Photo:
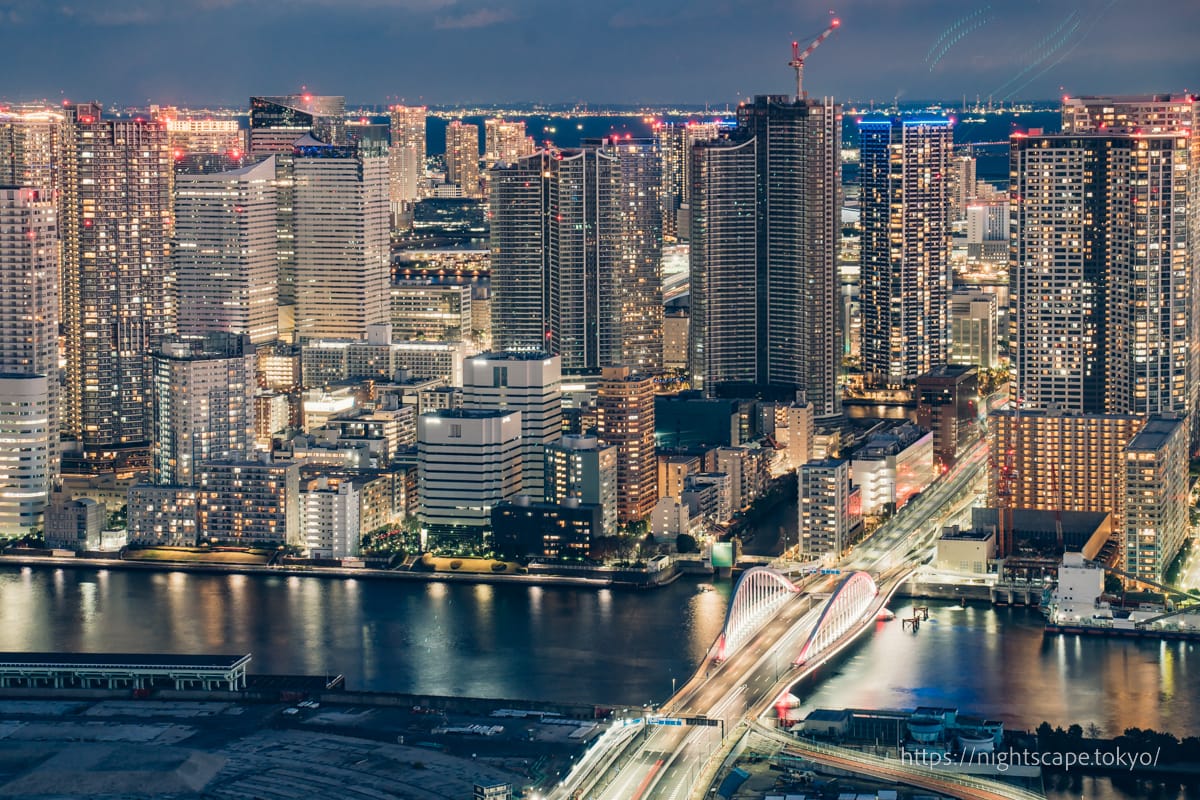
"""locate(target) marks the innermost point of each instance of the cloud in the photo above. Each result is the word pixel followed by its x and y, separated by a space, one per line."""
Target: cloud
pixel 480 18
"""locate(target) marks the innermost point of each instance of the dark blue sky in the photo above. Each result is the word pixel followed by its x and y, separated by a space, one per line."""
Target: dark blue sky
pixel 618 51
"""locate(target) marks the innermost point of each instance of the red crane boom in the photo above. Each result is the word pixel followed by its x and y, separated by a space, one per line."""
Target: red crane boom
pixel 798 57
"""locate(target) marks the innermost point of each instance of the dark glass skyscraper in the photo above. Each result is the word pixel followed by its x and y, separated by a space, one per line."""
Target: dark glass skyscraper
pixel 766 214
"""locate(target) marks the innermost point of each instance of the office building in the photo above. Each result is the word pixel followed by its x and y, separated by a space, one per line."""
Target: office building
pixel 530 383
pixel 342 240
pixel 406 160
pixel 582 467
pixel 557 531
pixel 203 404
pixel 576 249
pixel 1156 497
pixel 277 122
pixel 987 231
pixel 905 249
pixel 625 419
pixel 252 503
pixel 115 221
pixel 431 311
pixel 467 463
pixel 28 443
pixel 505 142
pixel 1102 275
pixel 974 330
pixel 224 255
pixel 328 361
pixel 824 509
pixel 890 467
pixel 29 375
pixel 462 158
pixel 948 405
pixel 675 142
pixel 764 238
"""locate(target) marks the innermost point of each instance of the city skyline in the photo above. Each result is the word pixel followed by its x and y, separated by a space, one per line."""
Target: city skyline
pixel 516 52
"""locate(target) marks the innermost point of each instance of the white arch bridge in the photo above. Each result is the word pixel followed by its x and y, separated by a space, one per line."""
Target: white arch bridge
pixel 760 592
pixel 846 608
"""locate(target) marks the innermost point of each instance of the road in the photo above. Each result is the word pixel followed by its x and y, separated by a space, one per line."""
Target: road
pixel 667 760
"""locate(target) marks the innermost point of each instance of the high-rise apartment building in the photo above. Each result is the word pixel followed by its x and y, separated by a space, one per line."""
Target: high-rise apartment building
pixel 963 185
pixel 277 122
pixel 576 255
pixel 905 250
pixel 467 462
pixel 342 240
pixel 254 503
pixel 224 254
pixel 582 467
pixel 625 418
pixel 1101 277
pixel 1155 114
pixel 421 309
pixel 117 304
pixel 406 158
pixel 528 382
pixel 505 141
pixel 764 238
pixel 203 404
pixel 31 150
pixel 675 141
pixel 462 157
pixel 1156 497
pixel 824 508
pixel 29 428
pixel 190 135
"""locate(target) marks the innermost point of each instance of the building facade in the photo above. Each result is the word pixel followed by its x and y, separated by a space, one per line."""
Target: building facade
pixel 462 158
pixel 116 300
pixel 203 404
pixel 467 463
pixel 1156 497
pixel 29 374
pixel 581 467
pixel 625 419
pixel 530 383
pixel 765 234
pixel 224 255
pixel 905 249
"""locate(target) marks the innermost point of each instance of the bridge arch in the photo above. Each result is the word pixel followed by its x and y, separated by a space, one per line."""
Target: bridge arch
pixel 844 609
pixel 757 595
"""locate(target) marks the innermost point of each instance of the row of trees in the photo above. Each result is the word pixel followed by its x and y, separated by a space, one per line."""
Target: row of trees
pixel 1168 748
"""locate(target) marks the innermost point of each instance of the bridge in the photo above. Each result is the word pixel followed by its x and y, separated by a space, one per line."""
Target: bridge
pixel 777 631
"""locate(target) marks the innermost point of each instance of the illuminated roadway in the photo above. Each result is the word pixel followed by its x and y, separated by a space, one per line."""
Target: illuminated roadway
pixel 666 761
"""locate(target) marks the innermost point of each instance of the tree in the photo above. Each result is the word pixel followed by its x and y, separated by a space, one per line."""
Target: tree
pixel 686 543
pixel 1075 731
pixel 1044 730
pixel 1094 731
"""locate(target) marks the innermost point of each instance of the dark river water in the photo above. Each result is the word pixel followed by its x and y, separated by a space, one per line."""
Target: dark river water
pixel 607 646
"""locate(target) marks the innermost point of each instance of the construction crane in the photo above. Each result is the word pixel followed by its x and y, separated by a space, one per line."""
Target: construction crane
pixel 798 57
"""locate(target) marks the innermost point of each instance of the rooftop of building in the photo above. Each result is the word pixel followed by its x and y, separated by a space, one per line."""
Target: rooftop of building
pixel 948 372
pixel 467 413
pixel 512 355
pixel 1155 433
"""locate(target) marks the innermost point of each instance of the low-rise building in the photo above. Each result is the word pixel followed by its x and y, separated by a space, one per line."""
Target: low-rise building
pixel 163 515
pixel 250 503
pixel 891 467
pixel 525 529
pixel 73 524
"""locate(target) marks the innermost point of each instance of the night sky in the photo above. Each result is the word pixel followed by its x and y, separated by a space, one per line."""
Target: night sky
pixel 620 51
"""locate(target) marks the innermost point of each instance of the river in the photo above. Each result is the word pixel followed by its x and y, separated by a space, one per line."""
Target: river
pixel 607 646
